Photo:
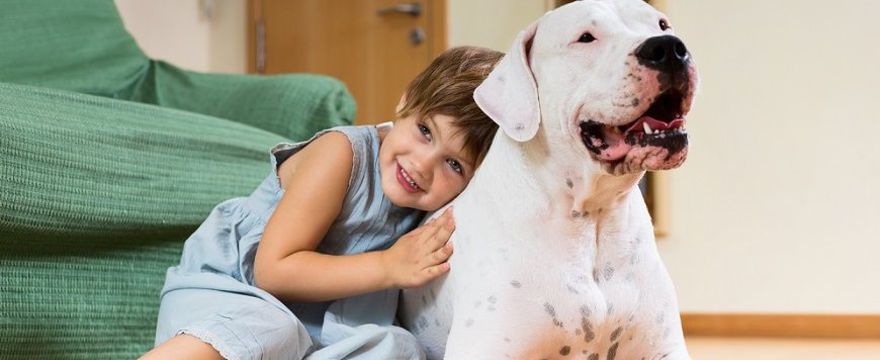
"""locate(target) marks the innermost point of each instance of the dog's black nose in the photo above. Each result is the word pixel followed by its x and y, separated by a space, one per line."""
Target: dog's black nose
pixel 664 53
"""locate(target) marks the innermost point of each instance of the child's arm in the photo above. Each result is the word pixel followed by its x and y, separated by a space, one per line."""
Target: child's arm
pixel 287 265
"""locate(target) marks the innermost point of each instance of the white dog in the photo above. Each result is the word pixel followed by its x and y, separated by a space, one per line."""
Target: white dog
pixel 554 248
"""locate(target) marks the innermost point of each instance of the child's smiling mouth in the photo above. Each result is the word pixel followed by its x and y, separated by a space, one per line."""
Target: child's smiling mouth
pixel 406 181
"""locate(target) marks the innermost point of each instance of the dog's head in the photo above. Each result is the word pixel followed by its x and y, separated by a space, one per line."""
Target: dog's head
pixel 608 77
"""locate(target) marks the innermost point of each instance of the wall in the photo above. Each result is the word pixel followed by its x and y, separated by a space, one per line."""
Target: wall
pixel 180 31
pixel 775 211
pixel 491 23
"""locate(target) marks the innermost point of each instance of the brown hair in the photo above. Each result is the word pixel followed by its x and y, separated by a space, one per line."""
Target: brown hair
pixel 447 87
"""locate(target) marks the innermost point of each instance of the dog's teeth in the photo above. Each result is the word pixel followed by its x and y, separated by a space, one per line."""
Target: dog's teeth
pixel 647 128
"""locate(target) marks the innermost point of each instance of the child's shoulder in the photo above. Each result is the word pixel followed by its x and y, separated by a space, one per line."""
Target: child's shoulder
pixel 344 147
pixel 332 142
pixel 364 140
pixel 356 133
pixel 336 138
pixel 330 153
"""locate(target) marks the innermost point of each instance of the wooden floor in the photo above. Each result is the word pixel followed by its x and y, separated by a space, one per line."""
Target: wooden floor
pixel 715 348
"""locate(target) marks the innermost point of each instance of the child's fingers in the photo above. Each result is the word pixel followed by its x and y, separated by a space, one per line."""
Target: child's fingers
pixel 442 254
pixel 429 231
pixel 447 215
pixel 442 235
pixel 449 218
pixel 436 270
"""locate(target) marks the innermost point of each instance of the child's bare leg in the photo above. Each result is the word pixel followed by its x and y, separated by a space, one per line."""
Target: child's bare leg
pixel 183 347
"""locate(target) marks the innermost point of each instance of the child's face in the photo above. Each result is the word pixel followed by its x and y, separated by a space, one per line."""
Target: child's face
pixel 422 162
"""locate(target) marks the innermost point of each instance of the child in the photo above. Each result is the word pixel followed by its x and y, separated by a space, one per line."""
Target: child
pixel 308 263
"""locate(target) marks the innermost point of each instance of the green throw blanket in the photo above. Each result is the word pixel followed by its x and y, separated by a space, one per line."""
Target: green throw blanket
pixel 98 196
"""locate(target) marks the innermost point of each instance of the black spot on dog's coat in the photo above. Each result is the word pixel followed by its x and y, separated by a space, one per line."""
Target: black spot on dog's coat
pixel 565 350
pixel 612 352
pixel 616 333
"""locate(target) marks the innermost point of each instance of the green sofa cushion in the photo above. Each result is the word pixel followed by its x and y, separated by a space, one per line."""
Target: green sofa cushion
pixel 77 45
pixel 98 196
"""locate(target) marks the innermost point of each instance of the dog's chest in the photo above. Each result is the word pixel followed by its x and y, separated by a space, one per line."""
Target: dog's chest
pixel 535 318
pixel 563 295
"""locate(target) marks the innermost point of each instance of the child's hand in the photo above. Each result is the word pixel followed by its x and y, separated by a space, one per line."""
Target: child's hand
pixel 421 255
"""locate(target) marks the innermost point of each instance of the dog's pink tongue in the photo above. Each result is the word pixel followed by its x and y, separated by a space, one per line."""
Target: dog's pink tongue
pixel 617 148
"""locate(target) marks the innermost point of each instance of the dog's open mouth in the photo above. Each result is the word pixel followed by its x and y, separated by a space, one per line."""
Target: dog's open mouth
pixel 660 127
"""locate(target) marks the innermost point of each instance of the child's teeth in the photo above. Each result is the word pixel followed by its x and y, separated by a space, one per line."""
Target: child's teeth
pixel 410 180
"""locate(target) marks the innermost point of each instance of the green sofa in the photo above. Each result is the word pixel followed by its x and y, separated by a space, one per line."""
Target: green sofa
pixel 108 161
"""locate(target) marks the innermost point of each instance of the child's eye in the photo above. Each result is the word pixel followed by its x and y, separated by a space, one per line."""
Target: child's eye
pixel 425 131
pixel 455 165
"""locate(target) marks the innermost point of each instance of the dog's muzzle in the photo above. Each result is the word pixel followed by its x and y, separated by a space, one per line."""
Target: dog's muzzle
pixel 661 126
pixel 657 139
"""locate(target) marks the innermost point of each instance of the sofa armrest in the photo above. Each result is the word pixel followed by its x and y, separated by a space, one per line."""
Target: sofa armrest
pixel 294 106
pixel 76 164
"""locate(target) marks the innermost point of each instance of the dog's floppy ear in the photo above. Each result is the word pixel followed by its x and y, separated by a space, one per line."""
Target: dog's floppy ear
pixel 509 95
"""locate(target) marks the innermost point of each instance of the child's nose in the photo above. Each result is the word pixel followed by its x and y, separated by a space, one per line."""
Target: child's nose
pixel 422 168
pixel 426 163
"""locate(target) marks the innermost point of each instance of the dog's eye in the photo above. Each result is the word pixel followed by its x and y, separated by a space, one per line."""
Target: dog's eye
pixel 586 38
pixel 664 25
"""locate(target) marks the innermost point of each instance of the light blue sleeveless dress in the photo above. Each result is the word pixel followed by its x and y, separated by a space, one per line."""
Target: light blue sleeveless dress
pixel 211 294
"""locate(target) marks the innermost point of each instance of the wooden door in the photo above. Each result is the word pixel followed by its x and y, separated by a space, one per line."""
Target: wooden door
pixel 374 46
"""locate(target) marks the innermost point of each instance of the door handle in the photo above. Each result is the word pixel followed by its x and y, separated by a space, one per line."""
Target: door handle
pixel 414 9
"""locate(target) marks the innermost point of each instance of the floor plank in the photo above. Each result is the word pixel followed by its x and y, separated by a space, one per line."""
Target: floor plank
pixel 720 348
